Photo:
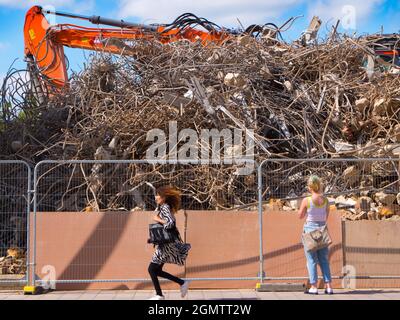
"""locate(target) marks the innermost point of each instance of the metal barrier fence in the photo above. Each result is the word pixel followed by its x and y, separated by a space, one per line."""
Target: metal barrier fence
pixel 282 184
pixel 98 194
pixel 15 181
pixel 95 187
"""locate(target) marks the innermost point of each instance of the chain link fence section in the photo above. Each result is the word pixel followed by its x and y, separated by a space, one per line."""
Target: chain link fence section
pixel 15 178
pixel 130 185
pixel 91 189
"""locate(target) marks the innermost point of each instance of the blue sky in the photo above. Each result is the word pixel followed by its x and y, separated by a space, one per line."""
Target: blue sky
pixel 361 16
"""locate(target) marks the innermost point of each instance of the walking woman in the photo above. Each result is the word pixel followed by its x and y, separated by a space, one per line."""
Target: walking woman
pixel 168 201
pixel 316 209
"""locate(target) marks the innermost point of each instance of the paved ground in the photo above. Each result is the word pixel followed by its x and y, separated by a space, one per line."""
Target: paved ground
pixel 243 294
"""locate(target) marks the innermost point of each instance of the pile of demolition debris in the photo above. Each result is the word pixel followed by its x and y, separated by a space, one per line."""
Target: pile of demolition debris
pixel 383 206
pixel 326 98
pixel 13 263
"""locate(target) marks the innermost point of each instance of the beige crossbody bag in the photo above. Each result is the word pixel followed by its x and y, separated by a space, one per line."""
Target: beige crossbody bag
pixel 317 239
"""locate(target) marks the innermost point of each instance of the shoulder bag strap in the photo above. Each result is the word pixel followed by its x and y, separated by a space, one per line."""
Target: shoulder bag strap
pixel 177 233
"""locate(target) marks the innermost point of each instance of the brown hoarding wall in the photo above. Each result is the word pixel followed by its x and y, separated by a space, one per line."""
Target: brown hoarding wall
pixel 225 244
pixel 373 249
pixel 100 246
pixel 112 246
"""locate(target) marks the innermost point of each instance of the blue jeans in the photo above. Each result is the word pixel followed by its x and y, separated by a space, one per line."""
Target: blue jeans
pixel 317 257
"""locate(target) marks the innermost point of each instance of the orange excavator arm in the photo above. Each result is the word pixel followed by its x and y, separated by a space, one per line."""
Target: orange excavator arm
pixel 44 44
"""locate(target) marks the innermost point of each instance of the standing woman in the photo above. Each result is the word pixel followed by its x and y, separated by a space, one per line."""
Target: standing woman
pixel 316 208
pixel 168 201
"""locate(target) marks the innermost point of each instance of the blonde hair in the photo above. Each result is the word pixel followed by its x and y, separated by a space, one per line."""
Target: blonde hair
pixel 314 183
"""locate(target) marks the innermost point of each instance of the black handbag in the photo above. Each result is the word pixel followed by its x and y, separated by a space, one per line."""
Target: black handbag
pixel 159 235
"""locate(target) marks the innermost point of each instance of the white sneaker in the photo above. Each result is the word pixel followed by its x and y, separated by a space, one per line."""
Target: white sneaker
pixel 312 291
pixel 328 291
pixel 157 297
pixel 185 288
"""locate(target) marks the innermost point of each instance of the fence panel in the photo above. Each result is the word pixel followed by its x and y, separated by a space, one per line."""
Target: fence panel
pixel 15 177
pixel 91 220
pixel 351 184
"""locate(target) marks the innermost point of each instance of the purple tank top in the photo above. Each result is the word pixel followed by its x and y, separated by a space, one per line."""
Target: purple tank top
pixel 315 212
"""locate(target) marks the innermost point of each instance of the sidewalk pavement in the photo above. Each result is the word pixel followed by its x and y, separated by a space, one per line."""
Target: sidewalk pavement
pixel 240 294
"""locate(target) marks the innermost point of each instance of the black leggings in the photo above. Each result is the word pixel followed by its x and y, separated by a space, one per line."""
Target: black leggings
pixel 155 270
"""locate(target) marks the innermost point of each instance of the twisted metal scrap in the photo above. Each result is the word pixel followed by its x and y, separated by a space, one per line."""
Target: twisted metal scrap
pixel 300 101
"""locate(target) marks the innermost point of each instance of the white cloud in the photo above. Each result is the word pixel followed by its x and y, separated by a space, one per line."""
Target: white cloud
pixel 223 12
pixel 77 5
pixel 30 3
pixel 350 12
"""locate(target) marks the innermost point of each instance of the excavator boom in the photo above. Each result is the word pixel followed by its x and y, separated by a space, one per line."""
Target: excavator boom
pixel 44 44
pixel 42 53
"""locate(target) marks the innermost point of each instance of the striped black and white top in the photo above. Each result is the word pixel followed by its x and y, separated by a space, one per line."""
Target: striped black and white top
pixel 175 252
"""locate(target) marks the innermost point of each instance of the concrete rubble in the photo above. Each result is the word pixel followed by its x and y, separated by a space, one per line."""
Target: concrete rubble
pixel 13 263
pixel 352 208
